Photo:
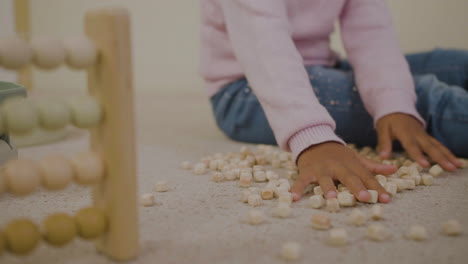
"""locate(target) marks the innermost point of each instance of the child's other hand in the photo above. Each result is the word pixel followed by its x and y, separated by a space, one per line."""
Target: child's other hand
pixel 329 161
pixel 414 139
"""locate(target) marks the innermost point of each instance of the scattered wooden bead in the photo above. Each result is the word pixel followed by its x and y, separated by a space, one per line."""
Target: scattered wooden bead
pixel 22 176
pixel 427 179
pixel 320 222
pixel 15 53
pixel 53 115
pixel 20 115
pixel 452 228
pixel 292 175
pixel 56 172
pixel 259 176
pixel 230 175
pixel 276 163
pixel 280 190
pixel 283 210
pixel 260 159
pixel 244 179
pixel 399 183
pixel 256 217
pixel 332 205
pixel 59 229
pixel 161 186
pixel 391 188
pixel 271 175
pixel 436 170
pixel 48 53
pixel 338 237
pixel 346 199
pixel 318 190
pixel 308 189
pixel 80 52
pixel 245 196
pixel 86 112
pixel 199 168
pixel 409 184
pixel 357 217
pixel 186 165
pixel 377 232
pixel 258 168
pixel 22 236
pixel 147 199
pixel 285 198
pixel 374 196
pixel 291 251
pixel 381 179
pixel 376 212
pixel 464 163
pixel 417 232
pixel 88 168
pixel 217 176
pixel 254 200
pixel 213 165
pixel 91 222
pixel 316 201
pixel 267 193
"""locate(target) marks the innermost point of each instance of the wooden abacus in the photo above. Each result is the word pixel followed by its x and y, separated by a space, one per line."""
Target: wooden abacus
pixel 110 166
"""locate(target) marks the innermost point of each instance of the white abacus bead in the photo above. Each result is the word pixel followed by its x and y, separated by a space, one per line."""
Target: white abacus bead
pixel 276 163
pixel 245 196
pixel 80 52
pixel 291 251
pixel 245 179
pixel 271 175
pixel 391 188
pixel 48 53
pixel 22 176
pixel 147 199
pixel 15 53
pixel 267 194
pixel 436 170
pixel 161 186
pixel 338 237
pixel 230 175
pixel 283 210
pixel 357 218
pixel 259 176
pixel 452 228
pixel 464 163
pixel 254 200
pixel 332 205
pixel 20 115
pixel 374 196
pixel 318 190
pixel 217 176
pixel 346 199
pixel 381 179
pixel 316 201
pixel 256 217
pixel 376 212
pixel 417 232
pixel 88 168
pixel 427 179
pixel 199 168
pixel 410 184
pixel 377 232
pixel 86 112
pixel 53 115
pixel 285 197
pixel 320 222
pixel 56 172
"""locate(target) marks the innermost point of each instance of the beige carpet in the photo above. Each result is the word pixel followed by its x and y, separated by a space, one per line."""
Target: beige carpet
pixel 200 221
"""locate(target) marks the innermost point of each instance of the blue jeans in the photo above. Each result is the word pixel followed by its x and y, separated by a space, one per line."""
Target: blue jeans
pixel 441 81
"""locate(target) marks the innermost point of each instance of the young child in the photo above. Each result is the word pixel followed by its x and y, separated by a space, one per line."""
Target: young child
pixel 273 79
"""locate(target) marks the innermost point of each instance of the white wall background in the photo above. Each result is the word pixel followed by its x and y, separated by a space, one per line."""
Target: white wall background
pixel 165 36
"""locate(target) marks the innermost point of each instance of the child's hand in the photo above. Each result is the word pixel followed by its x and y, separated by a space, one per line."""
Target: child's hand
pixel 414 139
pixel 329 161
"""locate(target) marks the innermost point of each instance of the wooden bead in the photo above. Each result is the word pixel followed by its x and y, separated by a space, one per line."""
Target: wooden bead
pixel 22 176
pixel 20 115
pixel 2 242
pixel 88 168
pixel 15 53
pixel 59 229
pixel 86 112
pixel 53 115
pixel 48 53
pixel 56 172
pixel 91 222
pixel 80 52
pixel 22 236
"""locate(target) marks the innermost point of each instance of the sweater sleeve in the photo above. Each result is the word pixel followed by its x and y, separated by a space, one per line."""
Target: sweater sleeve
pixel 382 74
pixel 262 43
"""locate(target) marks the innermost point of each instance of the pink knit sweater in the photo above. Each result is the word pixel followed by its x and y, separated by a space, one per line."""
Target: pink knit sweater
pixel 270 41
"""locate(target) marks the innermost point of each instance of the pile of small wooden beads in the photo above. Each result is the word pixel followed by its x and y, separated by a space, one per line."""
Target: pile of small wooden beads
pixel 21 116
pixel 47 53
pixel 21 236
pixel 23 176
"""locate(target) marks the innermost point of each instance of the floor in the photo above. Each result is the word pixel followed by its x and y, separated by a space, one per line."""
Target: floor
pixel 199 221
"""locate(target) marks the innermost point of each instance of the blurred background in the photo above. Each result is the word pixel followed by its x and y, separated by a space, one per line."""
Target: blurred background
pixel 165 36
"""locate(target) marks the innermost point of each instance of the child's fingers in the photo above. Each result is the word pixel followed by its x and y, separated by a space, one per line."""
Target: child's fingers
pixel 384 143
pixel 446 152
pixel 414 150
pixel 377 167
pixel 371 183
pixel 355 185
pixel 437 155
pixel 299 185
pixel 327 185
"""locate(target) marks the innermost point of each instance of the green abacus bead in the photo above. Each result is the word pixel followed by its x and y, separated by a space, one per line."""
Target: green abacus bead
pixel 22 236
pixel 20 115
pixel 53 115
pixel 2 243
pixel 59 229
pixel 86 112
pixel 91 223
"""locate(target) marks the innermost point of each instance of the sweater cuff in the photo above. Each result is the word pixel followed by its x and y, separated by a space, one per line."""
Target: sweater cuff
pixel 396 102
pixel 311 136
